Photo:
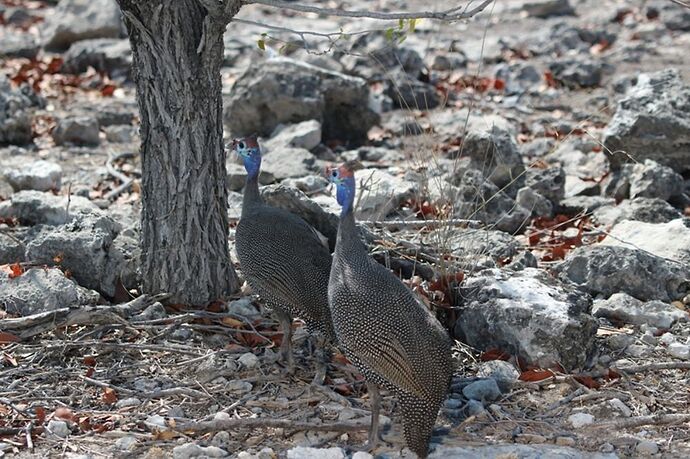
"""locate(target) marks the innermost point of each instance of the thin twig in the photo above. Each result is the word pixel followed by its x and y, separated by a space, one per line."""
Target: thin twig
pixel 439 222
pixel 253 423
pixel 654 419
pixel 655 366
pixel 154 394
pixel 126 181
pixel 452 14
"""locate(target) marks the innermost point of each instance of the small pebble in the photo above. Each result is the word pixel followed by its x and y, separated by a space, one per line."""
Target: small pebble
pixel 452 403
pixel 667 338
pixel 58 428
pixel 530 439
pixel 190 450
pixel 474 408
pixel 301 452
pixel 249 360
pixel 346 414
pixel 679 351
pixel 606 448
pixel 618 405
pixel 253 441
pixel 647 447
pixel 125 402
pixel 267 453
pixel 649 338
pixel 221 438
pixel 155 422
pixel 565 441
pixel 221 416
pixel 482 390
pixel 126 443
pixel 362 455
pixel 637 350
pixel 238 386
pixel 504 373
pixel 578 420
pixel 176 412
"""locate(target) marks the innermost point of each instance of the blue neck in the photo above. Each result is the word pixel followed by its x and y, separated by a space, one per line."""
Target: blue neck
pixel 252 165
pixel 345 193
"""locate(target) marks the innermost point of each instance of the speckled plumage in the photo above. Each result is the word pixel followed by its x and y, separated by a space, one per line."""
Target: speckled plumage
pixel 390 337
pixel 284 261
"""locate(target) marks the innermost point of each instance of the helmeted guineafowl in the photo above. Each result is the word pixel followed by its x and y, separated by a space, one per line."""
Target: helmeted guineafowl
pixel 284 261
pixel 390 337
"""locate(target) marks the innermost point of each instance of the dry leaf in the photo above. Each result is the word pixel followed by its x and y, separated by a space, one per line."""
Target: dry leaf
pixel 7 337
pixel 494 354
pixel 40 414
pixel 109 396
pixel 536 375
pixel 64 413
pixel 230 322
pixel 587 381
pixel 165 435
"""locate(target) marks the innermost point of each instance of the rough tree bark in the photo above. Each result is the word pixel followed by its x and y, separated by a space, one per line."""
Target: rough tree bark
pixel 177 53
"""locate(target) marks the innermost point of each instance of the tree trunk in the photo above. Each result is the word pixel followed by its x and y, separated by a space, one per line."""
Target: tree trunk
pixel 177 53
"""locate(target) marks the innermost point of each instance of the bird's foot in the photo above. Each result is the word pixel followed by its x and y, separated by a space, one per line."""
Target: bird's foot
pixel 320 376
pixel 367 447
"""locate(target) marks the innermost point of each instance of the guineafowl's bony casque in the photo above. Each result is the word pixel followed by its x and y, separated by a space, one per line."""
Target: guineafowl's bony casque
pixel 389 336
pixel 284 261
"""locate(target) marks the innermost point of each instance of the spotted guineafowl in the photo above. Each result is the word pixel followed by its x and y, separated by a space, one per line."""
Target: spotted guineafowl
pixel 284 261
pixel 390 337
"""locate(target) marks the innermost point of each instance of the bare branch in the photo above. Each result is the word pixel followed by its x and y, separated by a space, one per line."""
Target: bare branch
pixel 253 423
pixel 681 3
pixel 452 14
pixel 653 419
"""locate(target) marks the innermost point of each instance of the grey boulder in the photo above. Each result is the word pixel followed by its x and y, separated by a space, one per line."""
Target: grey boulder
pixel 75 20
pixel 109 55
pixel 649 210
pixel 495 153
pixel 669 240
pixel 652 122
pixel 77 130
pixel 530 314
pixel 475 197
pixel 15 113
pixel 621 307
pixel 41 289
pixel 32 207
pixel 90 248
pixel 604 270
pixel 283 90
pixel 37 175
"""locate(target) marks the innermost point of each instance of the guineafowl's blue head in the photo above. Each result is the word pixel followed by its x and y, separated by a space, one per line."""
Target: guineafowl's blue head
pixel 344 179
pixel 248 148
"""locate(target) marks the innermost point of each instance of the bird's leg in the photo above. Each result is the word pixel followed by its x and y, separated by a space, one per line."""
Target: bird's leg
pixel 321 354
pixel 286 354
pixel 375 400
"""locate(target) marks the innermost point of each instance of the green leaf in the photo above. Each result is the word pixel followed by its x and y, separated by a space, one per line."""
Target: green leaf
pixel 389 34
pixel 401 23
pixel 402 39
pixel 413 24
pixel 261 44
pixel 264 34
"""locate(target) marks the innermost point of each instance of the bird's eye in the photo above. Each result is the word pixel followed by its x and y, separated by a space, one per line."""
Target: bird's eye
pixel 334 173
pixel 242 145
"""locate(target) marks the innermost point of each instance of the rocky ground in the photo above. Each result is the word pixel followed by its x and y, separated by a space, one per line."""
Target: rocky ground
pixel 527 173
